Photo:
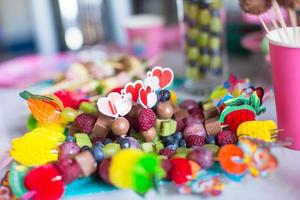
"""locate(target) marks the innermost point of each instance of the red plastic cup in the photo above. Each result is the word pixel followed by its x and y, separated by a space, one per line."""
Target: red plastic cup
pixel 285 60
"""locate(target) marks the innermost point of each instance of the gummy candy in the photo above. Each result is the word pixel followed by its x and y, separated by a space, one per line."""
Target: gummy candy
pixel 44 109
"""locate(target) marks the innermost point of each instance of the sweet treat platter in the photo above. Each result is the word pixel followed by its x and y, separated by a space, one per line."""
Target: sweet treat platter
pixel 139 137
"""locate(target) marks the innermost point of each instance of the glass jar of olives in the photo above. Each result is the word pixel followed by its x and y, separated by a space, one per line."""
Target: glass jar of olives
pixel 204 44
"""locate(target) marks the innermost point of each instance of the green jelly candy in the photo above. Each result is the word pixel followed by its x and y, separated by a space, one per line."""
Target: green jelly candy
pixel 204 17
pixel 88 107
pixel 215 43
pixel 110 149
pixel 216 25
pixel 165 127
pixel 147 173
pixel 203 39
pixel 147 147
pixel 193 53
pixel 83 139
pixel 31 123
pixel 16 179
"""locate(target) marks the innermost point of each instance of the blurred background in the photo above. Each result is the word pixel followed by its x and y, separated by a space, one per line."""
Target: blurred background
pixel 202 40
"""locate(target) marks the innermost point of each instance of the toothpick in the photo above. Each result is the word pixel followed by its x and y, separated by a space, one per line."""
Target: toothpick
pixel 279 15
pixel 263 23
pixel 293 19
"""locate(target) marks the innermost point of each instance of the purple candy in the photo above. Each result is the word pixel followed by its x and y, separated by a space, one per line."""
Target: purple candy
pixel 67 149
pixel 194 129
pixel 188 104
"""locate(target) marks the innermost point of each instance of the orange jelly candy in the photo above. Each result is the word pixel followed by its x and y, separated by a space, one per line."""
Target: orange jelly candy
pixel 231 160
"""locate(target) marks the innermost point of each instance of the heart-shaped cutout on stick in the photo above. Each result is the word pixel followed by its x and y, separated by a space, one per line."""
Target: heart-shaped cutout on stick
pixel 152 81
pixel 114 105
pixel 164 75
pixel 132 89
pixel 147 97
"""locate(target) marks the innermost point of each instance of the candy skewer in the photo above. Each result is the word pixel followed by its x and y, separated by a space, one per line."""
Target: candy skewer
pixel 274 22
pixel 293 19
pixel 263 23
pixel 281 20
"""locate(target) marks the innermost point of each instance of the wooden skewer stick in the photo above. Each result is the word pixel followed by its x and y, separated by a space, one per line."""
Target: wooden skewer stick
pixel 293 19
pixel 281 20
pixel 263 23
pixel 274 22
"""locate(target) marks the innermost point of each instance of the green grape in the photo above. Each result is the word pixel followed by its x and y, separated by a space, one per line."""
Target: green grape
pixel 147 147
pixel 215 43
pixel 183 150
pixel 158 146
pixel 204 17
pixel 216 61
pixel 216 25
pixel 68 115
pixel 87 107
pixel 203 39
pixel 205 60
pixel 192 73
pixel 179 155
pixel 216 4
pixel 192 11
pixel 193 53
pixel 110 149
pixel 192 32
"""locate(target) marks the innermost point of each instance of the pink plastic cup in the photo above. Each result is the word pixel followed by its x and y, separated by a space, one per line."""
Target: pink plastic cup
pixel 285 60
pixel 145 35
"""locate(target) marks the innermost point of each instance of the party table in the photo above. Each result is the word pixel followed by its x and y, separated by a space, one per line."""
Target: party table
pixel 284 183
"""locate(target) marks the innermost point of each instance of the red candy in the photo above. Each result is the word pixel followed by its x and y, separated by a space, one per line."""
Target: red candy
pixel 45 182
pixel 71 99
pixel 180 171
pixel 234 119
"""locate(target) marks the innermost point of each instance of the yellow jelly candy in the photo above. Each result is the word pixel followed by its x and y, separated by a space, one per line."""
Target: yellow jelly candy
pixel 262 130
pixel 236 92
pixel 38 146
pixel 120 171
pixel 218 93
pixel 173 97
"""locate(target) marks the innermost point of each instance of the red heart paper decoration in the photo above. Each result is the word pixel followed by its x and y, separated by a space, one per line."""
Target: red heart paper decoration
pixel 133 89
pixel 165 76
pixel 143 94
pixel 45 182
